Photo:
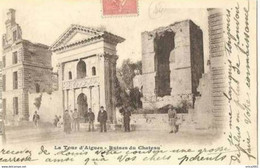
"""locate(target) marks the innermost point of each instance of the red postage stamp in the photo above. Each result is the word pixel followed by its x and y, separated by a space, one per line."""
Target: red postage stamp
pixel 119 7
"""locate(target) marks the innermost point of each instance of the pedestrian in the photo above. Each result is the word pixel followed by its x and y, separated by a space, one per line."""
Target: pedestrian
pixel 67 122
pixel 56 120
pixel 126 114
pixel 102 119
pixel 60 122
pixel 91 119
pixel 172 114
pixel 76 118
pixel 72 121
pixel 36 119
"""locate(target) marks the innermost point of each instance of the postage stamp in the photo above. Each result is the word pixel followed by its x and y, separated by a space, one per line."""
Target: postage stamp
pixel 120 7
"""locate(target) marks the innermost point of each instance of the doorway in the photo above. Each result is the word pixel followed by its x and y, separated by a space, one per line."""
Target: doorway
pixel 82 104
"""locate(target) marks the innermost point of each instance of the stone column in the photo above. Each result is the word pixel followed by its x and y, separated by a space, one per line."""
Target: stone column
pixel 98 96
pixel 90 97
pixel 113 89
pixel 102 75
pixel 60 80
pixel 73 105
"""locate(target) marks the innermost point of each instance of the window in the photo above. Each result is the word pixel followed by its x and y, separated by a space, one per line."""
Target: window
pixel 37 88
pixel 4 108
pixel 4 82
pixel 3 61
pixel 15 105
pixel 14 35
pixel 81 69
pixel 15 80
pixel 15 57
pixel 70 75
pixel 94 71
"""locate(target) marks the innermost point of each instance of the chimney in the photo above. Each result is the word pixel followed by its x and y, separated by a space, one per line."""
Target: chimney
pixel 11 16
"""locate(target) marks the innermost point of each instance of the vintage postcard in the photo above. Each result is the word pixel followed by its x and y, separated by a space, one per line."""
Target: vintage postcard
pixel 128 82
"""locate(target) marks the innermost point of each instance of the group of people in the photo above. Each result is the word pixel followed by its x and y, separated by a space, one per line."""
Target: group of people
pixel 71 121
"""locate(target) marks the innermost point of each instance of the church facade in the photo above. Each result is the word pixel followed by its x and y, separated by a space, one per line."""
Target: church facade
pixel 86 60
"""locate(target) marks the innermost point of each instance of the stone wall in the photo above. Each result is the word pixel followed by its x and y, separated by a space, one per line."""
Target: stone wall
pixel 37 68
pixel 203 104
pixel 172 60
pixel 197 56
pixel 157 122
pixel 51 105
pixel 217 68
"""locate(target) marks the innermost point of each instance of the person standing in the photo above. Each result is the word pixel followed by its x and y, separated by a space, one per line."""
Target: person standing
pixel 126 115
pixel 56 120
pixel 86 116
pixel 102 119
pixel 76 119
pixel 72 120
pixel 172 114
pixel 60 122
pixel 91 119
pixel 36 119
pixel 67 122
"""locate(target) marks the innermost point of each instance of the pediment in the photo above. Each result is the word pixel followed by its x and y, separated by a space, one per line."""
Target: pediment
pixel 75 34
pixel 76 37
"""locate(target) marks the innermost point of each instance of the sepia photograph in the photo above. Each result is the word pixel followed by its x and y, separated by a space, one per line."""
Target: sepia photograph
pixel 128 82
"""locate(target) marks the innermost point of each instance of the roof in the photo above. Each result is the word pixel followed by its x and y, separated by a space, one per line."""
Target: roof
pixel 91 34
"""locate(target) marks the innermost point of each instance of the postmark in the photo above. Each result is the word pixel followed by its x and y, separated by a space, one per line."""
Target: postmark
pixel 119 7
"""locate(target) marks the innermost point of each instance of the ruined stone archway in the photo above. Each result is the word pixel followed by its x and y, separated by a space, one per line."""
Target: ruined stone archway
pixel 163 45
pixel 82 104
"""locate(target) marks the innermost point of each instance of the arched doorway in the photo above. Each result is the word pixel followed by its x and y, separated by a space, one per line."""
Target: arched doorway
pixel 81 69
pixel 82 104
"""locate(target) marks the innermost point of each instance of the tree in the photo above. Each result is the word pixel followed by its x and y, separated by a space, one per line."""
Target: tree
pixel 126 95
pixel 38 101
pixel 127 71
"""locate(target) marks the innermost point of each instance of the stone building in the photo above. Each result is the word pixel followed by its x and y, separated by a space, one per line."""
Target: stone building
pixel 87 68
pixel 211 104
pixel 26 69
pixel 217 66
pixel 1 92
pixel 172 64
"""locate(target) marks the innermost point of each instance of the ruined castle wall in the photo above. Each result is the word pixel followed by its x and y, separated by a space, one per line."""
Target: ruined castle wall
pixel 180 60
pixel 148 64
pixel 217 59
pixel 37 68
pixel 197 58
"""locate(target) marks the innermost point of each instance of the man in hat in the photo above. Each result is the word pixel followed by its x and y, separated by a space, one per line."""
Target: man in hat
pixel 126 113
pixel 76 118
pixel 91 119
pixel 172 114
pixel 36 119
pixel 102 119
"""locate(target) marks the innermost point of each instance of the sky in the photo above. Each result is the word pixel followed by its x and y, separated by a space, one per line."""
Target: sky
pixel 43 21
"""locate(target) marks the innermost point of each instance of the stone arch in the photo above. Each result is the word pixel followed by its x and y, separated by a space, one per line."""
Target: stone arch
pixel 163 45
pixel 81 69
pixel 82 104
pixel 94 71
